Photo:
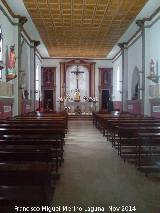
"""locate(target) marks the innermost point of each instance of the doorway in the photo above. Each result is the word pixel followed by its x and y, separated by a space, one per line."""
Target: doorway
pixel 105 99
pixel 48 100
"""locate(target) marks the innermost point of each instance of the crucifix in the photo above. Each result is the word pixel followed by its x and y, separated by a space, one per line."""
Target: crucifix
pixel 77 72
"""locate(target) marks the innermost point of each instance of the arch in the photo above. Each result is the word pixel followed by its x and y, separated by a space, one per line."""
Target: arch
pixel 135 84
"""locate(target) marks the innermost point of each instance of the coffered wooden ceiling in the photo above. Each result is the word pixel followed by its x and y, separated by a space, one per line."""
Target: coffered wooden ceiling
pixel 82 28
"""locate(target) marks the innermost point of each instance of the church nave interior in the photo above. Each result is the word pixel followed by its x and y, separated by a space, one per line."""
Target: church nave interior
pixel 79 106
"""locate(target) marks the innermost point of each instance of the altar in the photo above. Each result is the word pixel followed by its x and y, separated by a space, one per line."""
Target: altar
pixel 84 106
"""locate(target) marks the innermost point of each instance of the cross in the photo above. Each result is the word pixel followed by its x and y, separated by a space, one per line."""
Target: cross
pixel 77 72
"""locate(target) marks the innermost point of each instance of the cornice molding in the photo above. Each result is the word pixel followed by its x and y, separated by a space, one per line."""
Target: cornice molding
pixel 134 35
pixel 9 9
pixel 26 34
pixel 139 23
pixel 39 54
pixel 36 43
pixel 71 58
pixel 153 14
pixel 123 45
pixel 118 54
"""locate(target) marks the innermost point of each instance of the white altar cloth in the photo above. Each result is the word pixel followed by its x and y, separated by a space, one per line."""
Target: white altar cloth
pixel 85 107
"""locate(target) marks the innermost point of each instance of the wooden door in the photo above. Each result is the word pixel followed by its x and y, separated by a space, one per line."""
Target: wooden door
pixel 48 100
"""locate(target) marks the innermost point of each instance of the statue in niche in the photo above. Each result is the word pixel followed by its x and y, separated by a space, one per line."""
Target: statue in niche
pixel 152 73
pixel 26 94
pixel 135 84
pixel 135 95
pixel 10 65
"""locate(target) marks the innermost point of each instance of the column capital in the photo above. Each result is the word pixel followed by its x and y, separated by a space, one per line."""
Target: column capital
pixel 22 20
pixel 36 43
pixel 123 45
pixel 140 23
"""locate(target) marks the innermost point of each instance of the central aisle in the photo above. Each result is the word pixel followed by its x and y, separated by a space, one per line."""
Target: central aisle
pixel 94 175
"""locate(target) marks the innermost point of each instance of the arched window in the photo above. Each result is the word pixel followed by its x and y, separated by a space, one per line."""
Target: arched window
pixel 1 50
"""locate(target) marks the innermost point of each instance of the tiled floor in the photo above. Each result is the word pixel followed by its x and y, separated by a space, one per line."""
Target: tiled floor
pixel 94 175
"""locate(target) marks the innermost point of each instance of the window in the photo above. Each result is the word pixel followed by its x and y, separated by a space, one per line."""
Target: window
pixel 1 50
pixel 37 82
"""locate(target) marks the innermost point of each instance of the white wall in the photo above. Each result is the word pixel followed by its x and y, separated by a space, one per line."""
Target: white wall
pixel 152 51
pixel 154 46
pixel 134 60
pixel 117 77
pixel 38 63
pixel 155 43
pixel 100 64
pixel 9 33
pixel 10 37
pixel 25 65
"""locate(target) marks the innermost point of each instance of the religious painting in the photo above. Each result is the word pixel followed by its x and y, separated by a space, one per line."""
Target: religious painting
pixel 10 64
pixel 106 78
pixel 48 77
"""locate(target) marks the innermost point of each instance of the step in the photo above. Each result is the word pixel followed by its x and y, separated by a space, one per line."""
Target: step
pixel 80 117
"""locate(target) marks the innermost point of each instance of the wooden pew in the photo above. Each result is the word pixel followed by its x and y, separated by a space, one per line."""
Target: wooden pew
pixel 151 140
pixel 24 143
pixel 29 184
pixel 38 136
pixel 127 134
pixel 46 116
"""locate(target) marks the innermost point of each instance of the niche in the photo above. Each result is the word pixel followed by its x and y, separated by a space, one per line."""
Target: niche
pixel 135 84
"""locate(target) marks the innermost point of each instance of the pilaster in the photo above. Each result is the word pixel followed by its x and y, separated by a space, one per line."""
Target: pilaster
pixel 145 106
pixel 34 44
pixel 18 89
pixel 18 49
pixel 124 51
